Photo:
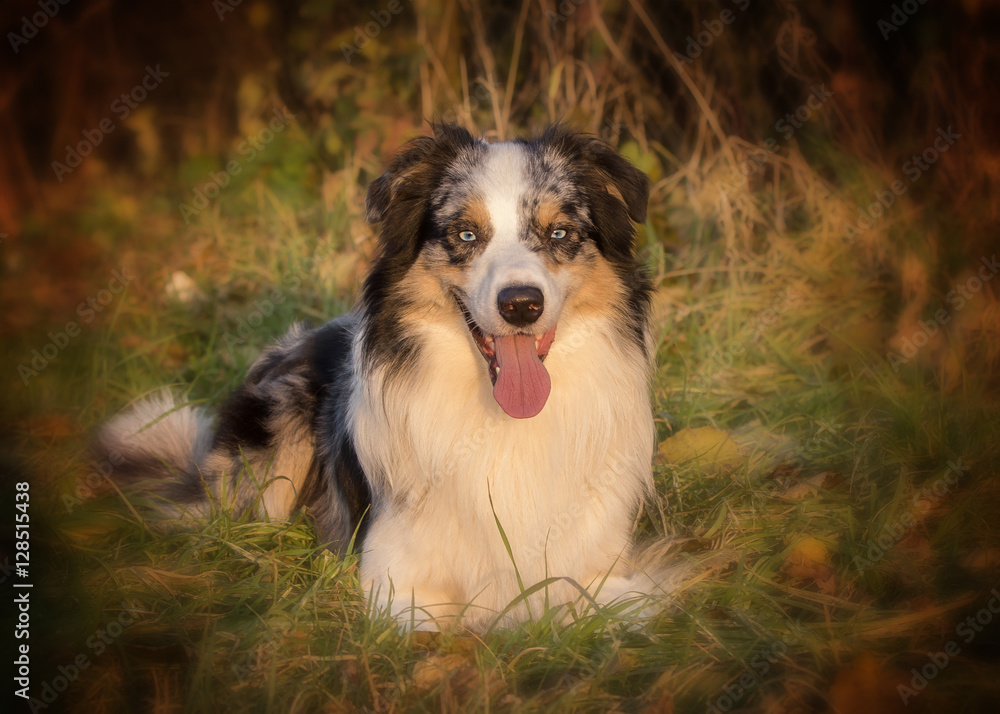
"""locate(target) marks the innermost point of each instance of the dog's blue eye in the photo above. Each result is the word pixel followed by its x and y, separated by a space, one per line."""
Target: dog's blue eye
pixel 467 236
pixel 558 233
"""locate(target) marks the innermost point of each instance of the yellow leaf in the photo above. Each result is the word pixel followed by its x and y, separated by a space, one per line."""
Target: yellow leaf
pixel 711 449
pixel 807 560
pixel 809 550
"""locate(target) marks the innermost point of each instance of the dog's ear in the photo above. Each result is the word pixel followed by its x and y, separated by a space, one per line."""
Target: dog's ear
pixel 621 179
pixel 617 192
pixel 411 176
pixel 398 202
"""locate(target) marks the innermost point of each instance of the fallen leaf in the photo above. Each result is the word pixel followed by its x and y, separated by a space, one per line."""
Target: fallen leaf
pixel 426 639
pixel 710 448
pixel 785 472
pixel 865 687
pixel 798 489
pixel 808 551
pixel 808 560
pixel 984 560
pixel 429 673
pixel 458 676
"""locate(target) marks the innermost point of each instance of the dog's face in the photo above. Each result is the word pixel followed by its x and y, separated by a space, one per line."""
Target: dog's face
pixel 510 230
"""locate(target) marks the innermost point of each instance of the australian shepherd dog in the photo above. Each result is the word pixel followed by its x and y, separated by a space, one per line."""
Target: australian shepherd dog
pixel 479 427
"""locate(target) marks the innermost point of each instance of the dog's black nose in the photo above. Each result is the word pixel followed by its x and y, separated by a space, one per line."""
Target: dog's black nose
pixel 520 305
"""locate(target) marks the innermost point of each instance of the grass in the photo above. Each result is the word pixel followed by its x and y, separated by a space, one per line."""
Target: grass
pixel 811 462
pixel 248 616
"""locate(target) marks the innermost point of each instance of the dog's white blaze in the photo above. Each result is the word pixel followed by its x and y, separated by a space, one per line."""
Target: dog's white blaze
pixel 501 183
pixel 508 261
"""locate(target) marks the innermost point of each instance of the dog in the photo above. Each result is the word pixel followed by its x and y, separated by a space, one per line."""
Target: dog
pixel 479 427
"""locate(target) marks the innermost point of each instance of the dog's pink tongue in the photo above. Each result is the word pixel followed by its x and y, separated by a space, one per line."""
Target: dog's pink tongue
pixel 523 383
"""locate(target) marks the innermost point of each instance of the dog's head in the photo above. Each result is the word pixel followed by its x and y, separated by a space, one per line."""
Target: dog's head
pixel 510 230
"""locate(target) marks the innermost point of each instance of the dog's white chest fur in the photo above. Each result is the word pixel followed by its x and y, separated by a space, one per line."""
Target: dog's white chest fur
pixel 451 470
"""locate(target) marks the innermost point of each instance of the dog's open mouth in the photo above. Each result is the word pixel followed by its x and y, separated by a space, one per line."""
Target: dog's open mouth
pixel 521 383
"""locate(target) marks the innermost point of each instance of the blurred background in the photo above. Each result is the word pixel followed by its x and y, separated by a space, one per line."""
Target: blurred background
pixel 180 182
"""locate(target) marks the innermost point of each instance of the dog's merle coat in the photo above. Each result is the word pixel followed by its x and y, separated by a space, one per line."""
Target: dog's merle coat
pixel 381 424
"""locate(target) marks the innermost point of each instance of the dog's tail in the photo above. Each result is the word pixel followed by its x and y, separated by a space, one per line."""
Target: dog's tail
pixel 157 450
pixel 260 461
